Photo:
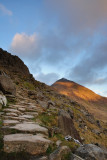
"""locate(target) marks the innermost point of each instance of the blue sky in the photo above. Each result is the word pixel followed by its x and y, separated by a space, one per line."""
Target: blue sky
pixel 60 38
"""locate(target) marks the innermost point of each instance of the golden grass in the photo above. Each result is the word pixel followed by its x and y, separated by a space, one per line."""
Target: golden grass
pixel 94 103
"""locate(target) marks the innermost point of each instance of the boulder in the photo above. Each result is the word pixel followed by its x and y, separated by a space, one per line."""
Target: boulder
pixel 6 85
pixel 66 125
pixel 50 104
pixel 32 144
pixel 91 152
pixel 3 100
pixel 58 143
pixel 59 153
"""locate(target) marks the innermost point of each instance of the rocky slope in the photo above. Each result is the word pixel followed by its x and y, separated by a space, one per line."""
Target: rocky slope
pixel 94 103
pixel 40 124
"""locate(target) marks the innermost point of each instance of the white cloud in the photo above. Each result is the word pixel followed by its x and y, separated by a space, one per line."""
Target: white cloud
pixel 5 10
pixel 25 46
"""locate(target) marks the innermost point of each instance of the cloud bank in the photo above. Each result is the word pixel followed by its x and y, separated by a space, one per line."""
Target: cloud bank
pixel 5 11
pixel 71 42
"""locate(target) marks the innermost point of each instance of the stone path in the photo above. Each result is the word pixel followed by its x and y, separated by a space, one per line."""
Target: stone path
pixel 28 135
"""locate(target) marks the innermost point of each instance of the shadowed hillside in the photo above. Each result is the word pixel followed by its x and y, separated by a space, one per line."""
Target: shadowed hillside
pixel 96 104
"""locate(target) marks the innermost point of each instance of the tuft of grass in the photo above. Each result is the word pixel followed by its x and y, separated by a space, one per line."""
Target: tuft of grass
pixel 49 120
pixel 66 156
pixel 29 85
pixel 72 145
pixel 50 149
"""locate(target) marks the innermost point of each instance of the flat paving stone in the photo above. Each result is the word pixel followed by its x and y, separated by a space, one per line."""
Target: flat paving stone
pixel 15 118
pixel 11 114
pixel 23 109
pixel 32 113
pixel 12 110
pixel 30 127
pixel 17 106
pixel 33 144
pixel 10 122
pixel 26 116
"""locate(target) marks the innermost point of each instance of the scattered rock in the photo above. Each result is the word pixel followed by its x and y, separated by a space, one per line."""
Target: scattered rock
pixel 71 113
pixel 69 138
pixel 58 143
pixel 105 131
pixel 29 143
pixel 30 93
pixel 98 123
pixel 75 157
pixel 6 85
pixel 54 130
pixel 59 153
pixel 42 104
pixel 90 118
pixel 91 152
pixel 50 104
pixel 66 125
pixel 96 131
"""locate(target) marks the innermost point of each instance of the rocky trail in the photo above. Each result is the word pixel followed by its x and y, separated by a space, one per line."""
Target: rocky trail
pixel 21 132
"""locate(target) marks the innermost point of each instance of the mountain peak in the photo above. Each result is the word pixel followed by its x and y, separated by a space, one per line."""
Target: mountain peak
pixel 63 80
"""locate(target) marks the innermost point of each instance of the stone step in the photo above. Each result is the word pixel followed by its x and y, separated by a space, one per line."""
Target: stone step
pixel 32 113
pixel 32 144
pixel 10 122
pixel 11 114
pixel 17 106
pixel 30 128
pixel 27 116
pixel 12 110
pixel 15 118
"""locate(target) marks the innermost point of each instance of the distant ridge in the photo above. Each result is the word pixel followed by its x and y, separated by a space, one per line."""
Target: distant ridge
pixel 96 104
